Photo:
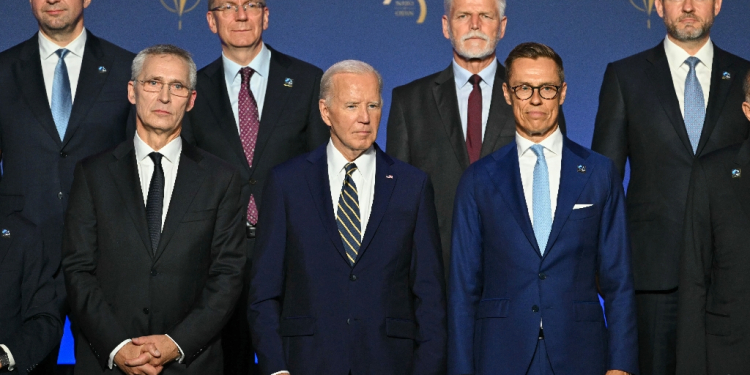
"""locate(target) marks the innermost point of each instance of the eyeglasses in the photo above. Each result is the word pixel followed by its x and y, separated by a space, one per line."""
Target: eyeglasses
pixel 175 88
pixel 525 92
pixel 250 7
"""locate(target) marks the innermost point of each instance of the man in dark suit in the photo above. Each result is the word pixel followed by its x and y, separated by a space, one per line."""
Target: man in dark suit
pixel 445 121
pixel 539 225
pixel 347 276
pixel 713 328
pixel 659 110
pixel 254 121
pixel 154 237
pixel 30 324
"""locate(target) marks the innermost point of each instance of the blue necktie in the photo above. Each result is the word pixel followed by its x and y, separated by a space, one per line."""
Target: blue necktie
pixel 347 215
pixel 695 106
pixel 541 204
pixel 62 100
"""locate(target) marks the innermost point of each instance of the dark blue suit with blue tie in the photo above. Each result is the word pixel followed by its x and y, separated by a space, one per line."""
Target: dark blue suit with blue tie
pixel 501 287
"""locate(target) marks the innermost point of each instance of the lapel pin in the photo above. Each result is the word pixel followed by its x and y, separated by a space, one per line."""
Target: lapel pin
pixel 389 176
pixel 288 82
pixel 736 173
pixel 102 69
pixel 581 169
pixel 726 75
pixel 5 233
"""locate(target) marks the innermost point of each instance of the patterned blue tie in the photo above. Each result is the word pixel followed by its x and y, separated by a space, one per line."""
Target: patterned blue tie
pixel 695 105
pixel 542 207
pixel 62 100
pixel 347 215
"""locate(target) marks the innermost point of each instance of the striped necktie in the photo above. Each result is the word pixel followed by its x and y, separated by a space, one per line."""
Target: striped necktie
pixel 347 215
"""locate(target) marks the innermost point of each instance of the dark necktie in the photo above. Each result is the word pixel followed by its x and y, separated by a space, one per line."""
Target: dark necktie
pixel 474 120
pixel 695 106
pixel 347 215
pixel 62 99
pixel 249 124
pixel 155 201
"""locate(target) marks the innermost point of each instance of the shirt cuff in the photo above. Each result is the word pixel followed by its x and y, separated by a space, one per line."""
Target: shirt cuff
pixel 280 372
pixel 12 364
pixel 182 354
pixel 112 355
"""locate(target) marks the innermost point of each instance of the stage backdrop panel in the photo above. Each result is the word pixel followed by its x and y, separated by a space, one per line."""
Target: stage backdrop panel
pixel 402 38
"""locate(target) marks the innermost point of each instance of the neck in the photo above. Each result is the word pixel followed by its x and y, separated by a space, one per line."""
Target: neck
pixel 473 65
pixel 349 154
pixel 536 137
pixel 157 139
pixel 64 36
pixel 692 46
pixel 242 56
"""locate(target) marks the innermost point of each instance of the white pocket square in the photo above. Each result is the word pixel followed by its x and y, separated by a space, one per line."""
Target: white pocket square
pixel 579 206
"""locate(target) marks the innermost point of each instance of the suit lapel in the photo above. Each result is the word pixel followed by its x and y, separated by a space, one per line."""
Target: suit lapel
pixel 383 190
pixel 446 100
pixel 718 93
pixel 190 177
pixel 571 185
pixel 498 121
pixel 661 78
pixel 30 79
pixel 5 246
pixel 506 174
pixel 320 189
pixel 90 83
pixel 125 173
pixel 741 185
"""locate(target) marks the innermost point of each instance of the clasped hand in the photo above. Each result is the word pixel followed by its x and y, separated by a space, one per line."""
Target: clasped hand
pixel 146 355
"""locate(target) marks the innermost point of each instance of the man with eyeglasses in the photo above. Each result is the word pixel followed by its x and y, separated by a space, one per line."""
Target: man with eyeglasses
pixel 153 251
pixel 258 108
pixel 659 111
pixel 538 232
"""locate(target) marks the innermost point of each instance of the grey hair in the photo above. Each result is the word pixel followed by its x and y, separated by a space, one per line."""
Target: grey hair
pixel 746 87
pixel 448 4
pixel 164 49
pixel 346 66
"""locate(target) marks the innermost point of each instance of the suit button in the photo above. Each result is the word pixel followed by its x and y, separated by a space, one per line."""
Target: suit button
pixel 59 195
pixel 252 181
pixel 63 154
pixel 535 308
pixel 348 321
pixel 542 276
pixel 154 273
pixel 353 277
pixel 145 310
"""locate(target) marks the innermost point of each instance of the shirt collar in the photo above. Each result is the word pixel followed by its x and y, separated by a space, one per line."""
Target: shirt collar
pixel 261 64
pixel 171 151
pixel 553 143
pixel 462 75
pixel 337 161
pixel 47 48
pixel 676 56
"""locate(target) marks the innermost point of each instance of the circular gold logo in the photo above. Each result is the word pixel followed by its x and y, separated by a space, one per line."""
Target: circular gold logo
pixel 647 7
pixel 180 7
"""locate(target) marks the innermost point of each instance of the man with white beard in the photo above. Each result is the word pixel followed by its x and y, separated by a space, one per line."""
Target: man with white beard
pixel 445 121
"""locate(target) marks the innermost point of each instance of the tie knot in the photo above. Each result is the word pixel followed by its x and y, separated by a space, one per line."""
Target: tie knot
pixel 350 167
pixel 246 73
pixel 62 52
pixel 156 158
pixel 692 61
pixel 538 150
pixel 475 79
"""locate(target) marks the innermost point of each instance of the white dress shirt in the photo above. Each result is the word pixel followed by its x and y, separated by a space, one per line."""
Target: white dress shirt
pixel 261 64
pixel 364 178
pixel 169 162
pixel 464 89
pixel 73 61
pixel 676 57
pixel 553 147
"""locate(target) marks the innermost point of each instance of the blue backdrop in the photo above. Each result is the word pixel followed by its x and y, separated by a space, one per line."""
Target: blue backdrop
pixel 401 38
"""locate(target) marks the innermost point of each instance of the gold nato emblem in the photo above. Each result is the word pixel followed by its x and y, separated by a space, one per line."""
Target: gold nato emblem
pixel 408 8
pixel 646 6
pixel 180 7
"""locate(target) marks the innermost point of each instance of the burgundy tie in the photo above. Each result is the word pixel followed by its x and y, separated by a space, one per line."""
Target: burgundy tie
pixel 249 124
pixel 474 120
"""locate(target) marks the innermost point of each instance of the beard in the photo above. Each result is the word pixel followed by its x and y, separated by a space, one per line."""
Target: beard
pixel 699 29
pixel 467 53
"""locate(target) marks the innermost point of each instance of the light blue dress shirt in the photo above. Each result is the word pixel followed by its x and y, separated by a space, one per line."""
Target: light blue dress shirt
pixel 464 88
pixel 258 82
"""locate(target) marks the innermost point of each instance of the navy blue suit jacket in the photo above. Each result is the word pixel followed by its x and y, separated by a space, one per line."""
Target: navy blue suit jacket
pixel 500 285
pixel 311 312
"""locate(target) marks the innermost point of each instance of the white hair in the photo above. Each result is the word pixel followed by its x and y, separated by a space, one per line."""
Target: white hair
pixel 346 66
pixel 164 49
pixel 448 4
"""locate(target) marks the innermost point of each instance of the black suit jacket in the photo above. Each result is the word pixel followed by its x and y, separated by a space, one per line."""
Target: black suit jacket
pixel 290 125
pixel 713 335
pixel 424 130
pixel 119 287
pixel 37 164
pixel 639 120
pixel 30 324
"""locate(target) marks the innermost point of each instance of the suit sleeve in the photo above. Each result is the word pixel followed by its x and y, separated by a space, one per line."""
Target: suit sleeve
pixel 267 279
pixel 224 284
pixel 90 311
pixel 428 288
pixel 465 277
pixel 611 125
pixel 616 279
pixel 397 136
pixel 42 325
pixel 695 277
pixel 317 130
